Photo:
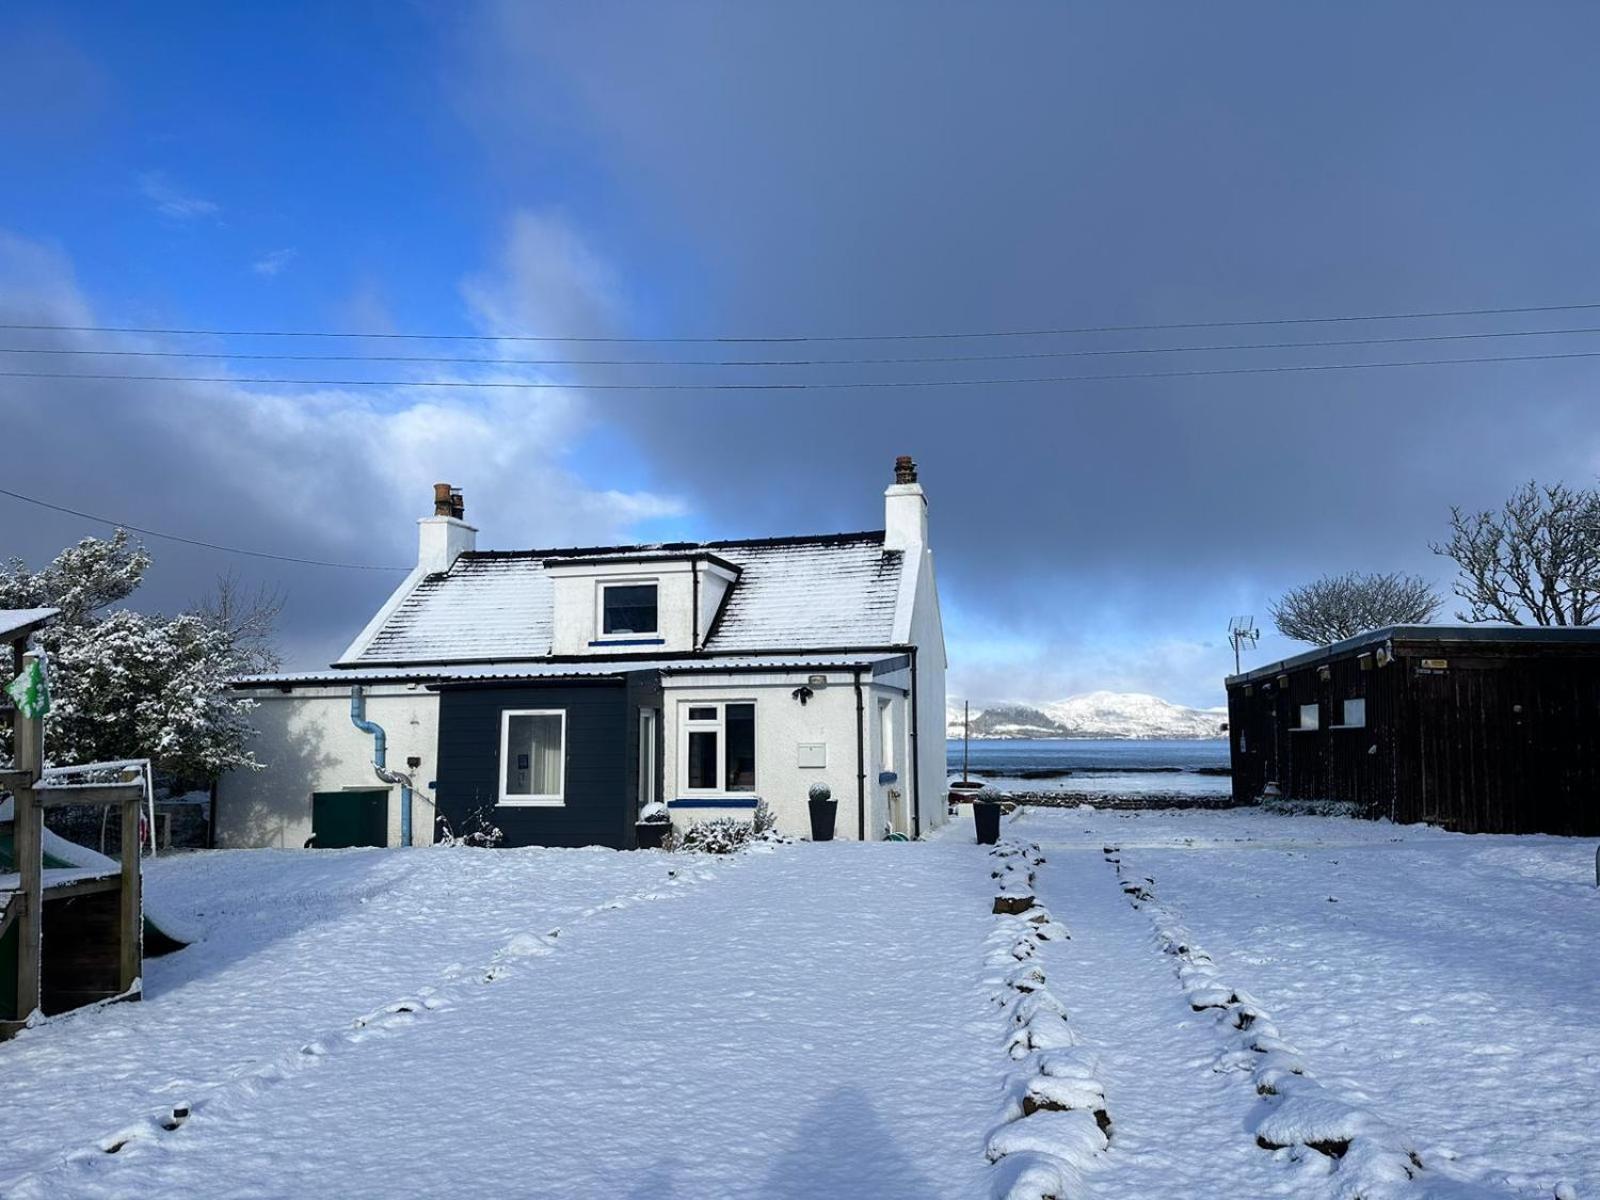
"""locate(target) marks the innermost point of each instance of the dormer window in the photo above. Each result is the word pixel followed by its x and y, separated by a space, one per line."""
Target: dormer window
pixel 628 610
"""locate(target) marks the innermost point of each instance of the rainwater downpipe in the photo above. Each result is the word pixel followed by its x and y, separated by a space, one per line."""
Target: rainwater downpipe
pixel 380 766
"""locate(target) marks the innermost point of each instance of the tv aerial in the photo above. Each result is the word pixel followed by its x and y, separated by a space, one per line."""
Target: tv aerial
pixel 1242 634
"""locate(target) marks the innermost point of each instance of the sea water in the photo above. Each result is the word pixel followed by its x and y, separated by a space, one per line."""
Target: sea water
pixel 1086 765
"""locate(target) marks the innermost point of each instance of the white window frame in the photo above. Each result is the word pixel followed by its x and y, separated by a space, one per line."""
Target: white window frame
pixel 1316 711
pixel 649 731
pixel 887 757
pixel 720 726
pixel 600 635
pixel 555 799
pixel 1344 713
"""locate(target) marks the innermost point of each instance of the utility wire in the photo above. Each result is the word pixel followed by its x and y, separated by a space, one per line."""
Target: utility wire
pixel 173 537
pixel 229 356
pixel 816 385
pixel 856 337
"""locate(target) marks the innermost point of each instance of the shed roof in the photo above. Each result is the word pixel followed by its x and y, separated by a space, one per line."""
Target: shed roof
pixel 1474 635
pixel 19 622
pixel 796 594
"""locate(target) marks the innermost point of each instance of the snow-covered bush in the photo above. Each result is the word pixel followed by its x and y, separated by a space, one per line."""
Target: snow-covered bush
pixel 655 813
pixel 478 831
pixel 820 791
pixel 724 835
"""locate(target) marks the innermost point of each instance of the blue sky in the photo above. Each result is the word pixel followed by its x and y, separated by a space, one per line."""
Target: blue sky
pixel 699 170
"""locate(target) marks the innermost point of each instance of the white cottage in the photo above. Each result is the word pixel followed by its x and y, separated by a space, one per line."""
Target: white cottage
pixel 553 694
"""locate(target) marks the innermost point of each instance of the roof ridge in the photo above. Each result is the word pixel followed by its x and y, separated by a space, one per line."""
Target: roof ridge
pixel 821 539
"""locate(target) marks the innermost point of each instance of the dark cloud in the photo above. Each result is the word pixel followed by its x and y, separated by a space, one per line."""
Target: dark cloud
pixel 849 169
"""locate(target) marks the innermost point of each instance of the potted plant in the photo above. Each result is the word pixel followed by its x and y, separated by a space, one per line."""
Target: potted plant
pixel 823 810
pixel 653 826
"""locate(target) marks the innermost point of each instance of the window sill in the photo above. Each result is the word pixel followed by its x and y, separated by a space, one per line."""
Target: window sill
pixel 629 641
pixel 531 802
pixel 714 802
pixel 1346 726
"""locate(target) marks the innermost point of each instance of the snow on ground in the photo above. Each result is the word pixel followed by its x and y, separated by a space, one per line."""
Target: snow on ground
pixel 1444 984
pixel 848 1020
pixel 801 1022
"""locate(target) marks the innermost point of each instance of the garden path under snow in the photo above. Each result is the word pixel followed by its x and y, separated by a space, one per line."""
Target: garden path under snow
pixel 819 1021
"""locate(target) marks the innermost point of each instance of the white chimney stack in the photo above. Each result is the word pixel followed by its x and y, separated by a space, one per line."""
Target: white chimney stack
pixel 905 509
pixel 444 537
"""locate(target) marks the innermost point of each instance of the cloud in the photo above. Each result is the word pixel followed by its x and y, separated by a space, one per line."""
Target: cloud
pixel 171 201
pixel 549 282
pixel 273 262
pixel 332 474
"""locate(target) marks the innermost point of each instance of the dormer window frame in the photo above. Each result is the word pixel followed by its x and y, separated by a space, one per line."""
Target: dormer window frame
pixel 652 637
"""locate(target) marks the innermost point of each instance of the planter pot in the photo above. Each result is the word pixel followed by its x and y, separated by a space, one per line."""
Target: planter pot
pixel 650 835
pixel 986 819
pixel 822 815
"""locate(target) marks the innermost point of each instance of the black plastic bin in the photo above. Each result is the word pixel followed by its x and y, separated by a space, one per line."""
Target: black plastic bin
pixel 986 818
pixel 823 813
pixel 652 835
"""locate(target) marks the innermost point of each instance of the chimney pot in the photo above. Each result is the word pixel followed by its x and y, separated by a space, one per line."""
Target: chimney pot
pixel 905 469
pixel 443 505
pixel 458 504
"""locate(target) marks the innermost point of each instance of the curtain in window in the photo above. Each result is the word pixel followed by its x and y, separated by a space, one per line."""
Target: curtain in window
pixel 533 753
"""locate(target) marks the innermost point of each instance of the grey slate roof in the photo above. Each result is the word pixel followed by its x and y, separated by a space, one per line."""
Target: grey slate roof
pixel 814 593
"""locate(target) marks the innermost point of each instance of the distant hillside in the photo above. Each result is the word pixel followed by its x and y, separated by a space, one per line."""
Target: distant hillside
pixel 1124 715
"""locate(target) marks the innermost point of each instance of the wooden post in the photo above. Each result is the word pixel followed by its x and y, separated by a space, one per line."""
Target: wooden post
pixel 28 850
pixel 131 924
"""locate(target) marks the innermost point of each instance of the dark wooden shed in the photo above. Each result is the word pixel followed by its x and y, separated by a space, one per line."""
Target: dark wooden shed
pixel 1478 729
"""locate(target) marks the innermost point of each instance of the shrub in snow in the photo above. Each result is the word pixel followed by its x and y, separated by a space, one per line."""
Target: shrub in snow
pixel 479 831
pixel 654 813
pixel 724 835
pixel 820 791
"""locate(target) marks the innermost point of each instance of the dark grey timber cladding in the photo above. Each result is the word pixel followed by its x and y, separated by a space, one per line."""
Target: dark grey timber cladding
pixel 599 808
pixel 1472 733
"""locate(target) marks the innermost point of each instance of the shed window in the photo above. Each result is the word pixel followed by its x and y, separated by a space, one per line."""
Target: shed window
pixel 1355 714
pixel 533 752
pixel 719 747
pixel 627 608
pixel 1310 716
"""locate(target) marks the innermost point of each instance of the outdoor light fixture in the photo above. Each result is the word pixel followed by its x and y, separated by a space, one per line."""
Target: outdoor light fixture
pixel 1364 662
pixel 1283 681
pixel 1324 673
pixel 802 694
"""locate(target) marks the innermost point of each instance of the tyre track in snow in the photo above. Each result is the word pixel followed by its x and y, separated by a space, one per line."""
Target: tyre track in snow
pixel 1179 1125
pixel 457 985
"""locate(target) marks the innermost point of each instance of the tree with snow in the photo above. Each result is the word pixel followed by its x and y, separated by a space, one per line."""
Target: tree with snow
pixel 131 685
pixel 1336 607
pixel 1535 562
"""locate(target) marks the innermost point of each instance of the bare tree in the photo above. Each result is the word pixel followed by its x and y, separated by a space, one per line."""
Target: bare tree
pixel 250 619
pixel 1535 562
pixel 1336 607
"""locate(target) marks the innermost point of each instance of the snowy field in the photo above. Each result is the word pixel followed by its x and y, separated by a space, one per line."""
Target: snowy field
pixel 826 1021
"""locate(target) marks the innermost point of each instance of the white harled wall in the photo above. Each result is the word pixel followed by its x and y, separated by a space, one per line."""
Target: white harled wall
pixel 306 743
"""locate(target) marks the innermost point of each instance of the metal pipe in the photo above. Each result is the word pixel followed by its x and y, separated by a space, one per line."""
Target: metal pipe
pixel 916 772
pixel 861 761
pixel 380 758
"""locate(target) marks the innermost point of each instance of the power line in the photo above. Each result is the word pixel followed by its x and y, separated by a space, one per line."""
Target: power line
pixel 904 360
pixel 816 385
pixel 173 537
pixel 855 337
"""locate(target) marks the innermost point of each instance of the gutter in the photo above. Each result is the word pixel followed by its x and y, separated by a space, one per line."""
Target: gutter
pixel 861 761
pixel 380 754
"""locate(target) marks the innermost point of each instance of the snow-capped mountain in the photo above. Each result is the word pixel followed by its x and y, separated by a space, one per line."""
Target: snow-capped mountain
pixel 1129 715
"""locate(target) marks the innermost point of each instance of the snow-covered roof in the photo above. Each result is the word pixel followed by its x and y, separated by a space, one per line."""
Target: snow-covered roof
pixel 877 663
pixel 1442 635
pixel 795 594
pixel 16 621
